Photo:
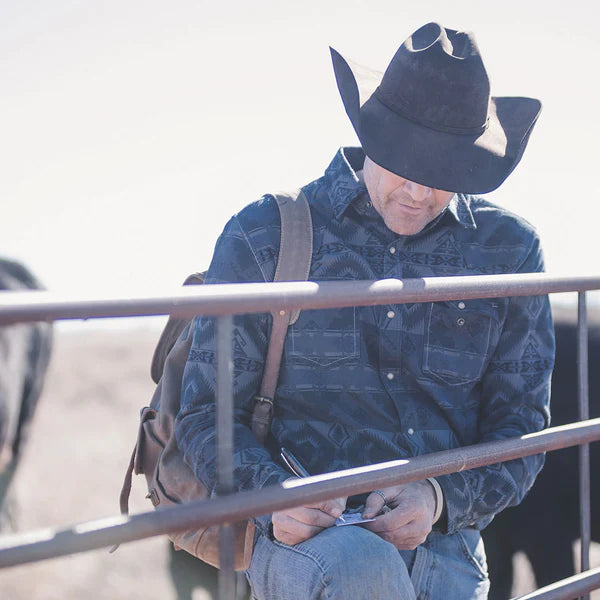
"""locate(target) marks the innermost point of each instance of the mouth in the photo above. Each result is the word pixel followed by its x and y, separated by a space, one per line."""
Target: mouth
pixel 406 204
pixel 408 209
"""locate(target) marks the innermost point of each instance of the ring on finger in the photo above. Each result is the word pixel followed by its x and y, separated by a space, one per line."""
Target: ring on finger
pixel 380 493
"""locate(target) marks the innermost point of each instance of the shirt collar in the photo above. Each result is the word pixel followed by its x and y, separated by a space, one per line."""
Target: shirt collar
pixel 342 181
pixel 460 209
pixel 344 186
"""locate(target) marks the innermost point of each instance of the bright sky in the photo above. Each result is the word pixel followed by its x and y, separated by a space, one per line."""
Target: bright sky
pixel 131 131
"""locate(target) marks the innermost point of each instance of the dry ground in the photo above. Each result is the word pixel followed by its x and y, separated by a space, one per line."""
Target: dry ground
pixel 73 468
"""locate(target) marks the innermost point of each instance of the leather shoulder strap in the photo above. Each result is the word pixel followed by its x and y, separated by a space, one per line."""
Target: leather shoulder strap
pixel 293 264
pixel 295 250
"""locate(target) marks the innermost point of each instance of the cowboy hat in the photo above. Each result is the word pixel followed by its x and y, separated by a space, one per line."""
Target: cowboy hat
pixel 430 117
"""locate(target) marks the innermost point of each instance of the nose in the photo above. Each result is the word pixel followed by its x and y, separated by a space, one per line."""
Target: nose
pixel 417 191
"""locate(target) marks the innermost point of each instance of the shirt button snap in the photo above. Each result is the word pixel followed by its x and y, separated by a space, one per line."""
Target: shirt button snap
pixel 391 314
pixel 368 205
pixel 390 376
pixel 460 322
pixel 410 431
pixel 461 305
pixel 392 250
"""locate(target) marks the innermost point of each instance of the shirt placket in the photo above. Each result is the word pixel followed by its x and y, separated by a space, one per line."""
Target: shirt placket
pixel 390 327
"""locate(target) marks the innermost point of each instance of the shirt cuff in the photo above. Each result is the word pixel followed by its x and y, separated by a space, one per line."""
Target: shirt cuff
pixel 439 499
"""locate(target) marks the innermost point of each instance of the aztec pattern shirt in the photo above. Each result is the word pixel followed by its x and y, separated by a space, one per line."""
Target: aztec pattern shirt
pixel 370 384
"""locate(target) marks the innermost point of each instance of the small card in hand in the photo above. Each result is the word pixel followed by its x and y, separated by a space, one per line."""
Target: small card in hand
pixel 352 517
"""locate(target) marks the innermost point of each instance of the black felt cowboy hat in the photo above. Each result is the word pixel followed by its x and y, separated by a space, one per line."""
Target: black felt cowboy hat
pixel 431 118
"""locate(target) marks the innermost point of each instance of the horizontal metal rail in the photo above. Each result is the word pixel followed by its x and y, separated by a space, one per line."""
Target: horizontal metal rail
pixel 228 299
pixel 41 545
pixel 237 298
pixel 567 589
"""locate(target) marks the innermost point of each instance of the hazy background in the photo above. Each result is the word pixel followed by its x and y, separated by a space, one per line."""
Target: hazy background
pixel 131 131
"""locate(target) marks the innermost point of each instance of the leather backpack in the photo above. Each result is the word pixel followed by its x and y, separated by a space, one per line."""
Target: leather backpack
pixel 156 455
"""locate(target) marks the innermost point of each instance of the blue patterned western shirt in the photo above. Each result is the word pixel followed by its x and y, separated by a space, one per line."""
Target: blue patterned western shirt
pixel 370 384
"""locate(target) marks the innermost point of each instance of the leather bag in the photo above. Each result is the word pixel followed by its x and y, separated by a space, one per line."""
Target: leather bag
pixel 156 455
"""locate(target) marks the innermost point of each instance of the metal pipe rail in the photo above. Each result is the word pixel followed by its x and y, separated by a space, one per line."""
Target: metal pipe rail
pixel 41 545
pixel 238 298
pixel 228 299
pixel 567 589
pixel 583 410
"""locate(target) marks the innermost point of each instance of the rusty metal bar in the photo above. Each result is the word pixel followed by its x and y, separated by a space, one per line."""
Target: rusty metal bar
pixel 567 589
pixel 234 298
pixel 584 449
pixel 41 545
pixel 224 422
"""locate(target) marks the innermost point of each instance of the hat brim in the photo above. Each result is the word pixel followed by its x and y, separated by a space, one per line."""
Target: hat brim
pixel 471 164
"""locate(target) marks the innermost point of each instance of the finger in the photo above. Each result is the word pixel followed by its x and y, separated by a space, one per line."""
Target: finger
pixel 334 507
pixel 311 516
pixel 390 521
pixel 289 531
pixel 407 537
pixel 373 505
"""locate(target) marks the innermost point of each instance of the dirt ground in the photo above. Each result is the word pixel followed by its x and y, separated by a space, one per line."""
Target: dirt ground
pixel 73 468
pixel 74 465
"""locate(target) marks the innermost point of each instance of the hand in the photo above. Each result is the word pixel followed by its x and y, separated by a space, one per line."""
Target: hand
pixel 409 522
pixel 294 525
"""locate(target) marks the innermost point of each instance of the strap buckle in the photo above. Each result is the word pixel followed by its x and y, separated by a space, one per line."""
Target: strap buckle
pixel 261 417
pixel 264 400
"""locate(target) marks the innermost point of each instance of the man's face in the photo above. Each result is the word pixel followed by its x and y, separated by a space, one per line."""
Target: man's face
pixel 406 207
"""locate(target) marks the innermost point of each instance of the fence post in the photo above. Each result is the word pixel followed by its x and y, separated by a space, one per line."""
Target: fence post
pixel 584 449
pixel 225 451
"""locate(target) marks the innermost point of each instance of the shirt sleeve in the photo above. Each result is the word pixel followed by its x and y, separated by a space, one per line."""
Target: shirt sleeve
pixel 515 392
pixel 195 427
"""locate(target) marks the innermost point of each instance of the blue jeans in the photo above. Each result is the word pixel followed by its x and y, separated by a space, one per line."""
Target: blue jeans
pixel 352 563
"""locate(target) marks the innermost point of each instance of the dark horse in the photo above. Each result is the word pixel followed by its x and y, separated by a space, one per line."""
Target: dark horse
pixel 546 523
pixel 24 355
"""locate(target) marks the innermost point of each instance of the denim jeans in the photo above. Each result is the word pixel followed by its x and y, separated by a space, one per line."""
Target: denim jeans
pixel 352 563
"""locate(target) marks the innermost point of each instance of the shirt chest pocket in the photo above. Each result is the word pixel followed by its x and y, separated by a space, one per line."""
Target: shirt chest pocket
pixel 323 337
pixel 458 340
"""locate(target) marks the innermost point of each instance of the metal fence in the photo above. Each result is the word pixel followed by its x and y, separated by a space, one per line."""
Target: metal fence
pixel 225 300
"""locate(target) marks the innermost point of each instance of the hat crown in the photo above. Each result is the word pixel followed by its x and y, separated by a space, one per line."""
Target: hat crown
pixel 437 79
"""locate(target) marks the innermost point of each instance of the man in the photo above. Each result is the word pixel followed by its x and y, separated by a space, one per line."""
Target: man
pixel 370 384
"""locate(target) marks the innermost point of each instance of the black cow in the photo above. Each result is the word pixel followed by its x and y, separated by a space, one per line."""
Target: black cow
pixel 545 525
pixel 24 355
